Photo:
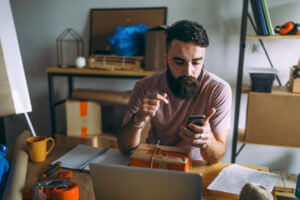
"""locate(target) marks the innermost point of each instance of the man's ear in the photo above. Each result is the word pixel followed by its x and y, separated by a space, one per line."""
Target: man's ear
pixel 165 59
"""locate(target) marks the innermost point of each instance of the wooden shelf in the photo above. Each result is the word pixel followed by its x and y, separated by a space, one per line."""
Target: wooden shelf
pixel 97 72
pixel 263 37
pixel 247 89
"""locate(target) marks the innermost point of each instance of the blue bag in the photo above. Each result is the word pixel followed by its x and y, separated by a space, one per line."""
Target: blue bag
pixel 129 40
pixel 4 166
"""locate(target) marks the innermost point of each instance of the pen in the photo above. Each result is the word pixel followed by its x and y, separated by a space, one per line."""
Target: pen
pixel 55 167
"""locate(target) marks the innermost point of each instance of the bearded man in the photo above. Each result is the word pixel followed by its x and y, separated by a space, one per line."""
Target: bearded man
pixel 168 97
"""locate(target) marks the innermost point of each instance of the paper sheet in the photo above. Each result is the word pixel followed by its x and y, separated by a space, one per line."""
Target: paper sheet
pixel 231 179
pixel 75 158
pixel 112 156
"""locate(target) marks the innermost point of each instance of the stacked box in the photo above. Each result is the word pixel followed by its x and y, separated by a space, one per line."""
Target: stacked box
pixel 83 118
pixel 273 118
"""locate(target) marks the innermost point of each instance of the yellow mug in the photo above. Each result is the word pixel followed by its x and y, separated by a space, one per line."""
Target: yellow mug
pixel 37 147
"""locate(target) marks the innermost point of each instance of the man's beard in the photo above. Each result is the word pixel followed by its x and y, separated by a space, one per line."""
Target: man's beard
pixel 184 87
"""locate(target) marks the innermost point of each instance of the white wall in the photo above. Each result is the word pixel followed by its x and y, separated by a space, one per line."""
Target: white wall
pixel 39 22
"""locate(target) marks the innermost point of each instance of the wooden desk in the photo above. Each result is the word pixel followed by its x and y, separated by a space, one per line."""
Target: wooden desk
pixel 85 183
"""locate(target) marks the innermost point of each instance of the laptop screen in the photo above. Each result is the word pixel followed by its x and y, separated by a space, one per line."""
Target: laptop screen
pixel 133 183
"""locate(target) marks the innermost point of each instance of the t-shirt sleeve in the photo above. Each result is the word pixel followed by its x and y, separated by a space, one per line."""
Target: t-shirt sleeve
pixel 221 100
pixel 134 102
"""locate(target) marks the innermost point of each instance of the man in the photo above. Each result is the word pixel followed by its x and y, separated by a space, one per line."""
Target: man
pixel 168 97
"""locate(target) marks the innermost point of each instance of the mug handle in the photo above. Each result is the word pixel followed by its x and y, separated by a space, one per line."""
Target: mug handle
pixel 52 145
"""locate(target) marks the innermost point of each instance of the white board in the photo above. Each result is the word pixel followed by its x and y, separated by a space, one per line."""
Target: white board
pixel 14 95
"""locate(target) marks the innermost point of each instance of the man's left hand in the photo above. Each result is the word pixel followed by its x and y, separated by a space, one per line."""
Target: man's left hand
pixel 199 136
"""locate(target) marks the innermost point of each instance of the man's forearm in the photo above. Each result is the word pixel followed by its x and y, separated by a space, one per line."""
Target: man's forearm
pixel 214 153
pixel 129 136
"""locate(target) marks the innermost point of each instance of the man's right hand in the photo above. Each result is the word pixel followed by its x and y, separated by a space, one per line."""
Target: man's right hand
pixel 149 107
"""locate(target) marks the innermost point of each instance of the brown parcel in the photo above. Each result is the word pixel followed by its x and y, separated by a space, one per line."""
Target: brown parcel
pixel 163 157
pixel 273 118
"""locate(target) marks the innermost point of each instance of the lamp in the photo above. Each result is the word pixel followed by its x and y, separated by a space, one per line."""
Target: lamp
pixel 14 95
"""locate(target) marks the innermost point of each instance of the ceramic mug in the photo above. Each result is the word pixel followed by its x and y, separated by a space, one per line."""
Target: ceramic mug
pixel 37 147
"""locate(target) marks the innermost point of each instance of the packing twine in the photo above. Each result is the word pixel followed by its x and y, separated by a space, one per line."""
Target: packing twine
pixel 123 61
pixel 104 61
pixel 255 191
pixel 163 155
pixel 160 154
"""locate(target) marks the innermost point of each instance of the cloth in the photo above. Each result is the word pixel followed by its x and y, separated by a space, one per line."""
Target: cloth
pixel 213 93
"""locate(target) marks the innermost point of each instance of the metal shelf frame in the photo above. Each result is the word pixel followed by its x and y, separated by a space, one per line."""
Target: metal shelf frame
pixel 243 37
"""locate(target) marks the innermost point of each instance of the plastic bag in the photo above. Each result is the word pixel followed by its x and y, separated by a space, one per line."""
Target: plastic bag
pixel 129 40
pixel 4 167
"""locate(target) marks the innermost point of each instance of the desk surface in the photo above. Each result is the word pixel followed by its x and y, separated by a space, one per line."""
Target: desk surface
pixel 86 190
pixel 97 72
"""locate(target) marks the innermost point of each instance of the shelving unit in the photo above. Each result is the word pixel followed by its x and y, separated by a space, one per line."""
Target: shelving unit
pixel 71 73
pixel 238 135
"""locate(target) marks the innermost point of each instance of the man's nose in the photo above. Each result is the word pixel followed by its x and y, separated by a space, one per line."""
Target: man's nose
pixel 188 69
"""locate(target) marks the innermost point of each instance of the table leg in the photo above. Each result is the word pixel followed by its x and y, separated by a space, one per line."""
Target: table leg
pixel 52 107
pixel 70 80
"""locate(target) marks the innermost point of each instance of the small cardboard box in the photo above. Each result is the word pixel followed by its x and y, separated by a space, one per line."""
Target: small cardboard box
pixel 91 140
pixel 104 140
pixel 273 118
pixel 155 48
pixel 83 118
pixel 160 157
pixel 294 83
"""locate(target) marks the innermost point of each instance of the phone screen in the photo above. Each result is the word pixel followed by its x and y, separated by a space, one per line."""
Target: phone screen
pixel 196 119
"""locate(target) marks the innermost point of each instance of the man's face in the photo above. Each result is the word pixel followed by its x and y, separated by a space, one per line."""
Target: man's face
pixel 185 59
pixel 185 63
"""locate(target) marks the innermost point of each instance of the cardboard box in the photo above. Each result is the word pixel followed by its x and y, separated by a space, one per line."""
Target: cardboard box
pixel 155 48
pixel 83 118
pixel 160 157
pixel 273 118
pixel 105 140
pixel 91 140
pixel 294 83
pixel 108 140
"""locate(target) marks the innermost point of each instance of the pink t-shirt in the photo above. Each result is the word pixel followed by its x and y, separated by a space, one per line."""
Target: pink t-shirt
pixel 213 93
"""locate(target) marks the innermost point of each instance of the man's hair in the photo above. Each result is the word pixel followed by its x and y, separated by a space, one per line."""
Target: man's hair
pixel 187 31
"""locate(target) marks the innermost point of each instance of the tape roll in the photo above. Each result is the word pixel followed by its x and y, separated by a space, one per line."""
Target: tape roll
pixel 252 191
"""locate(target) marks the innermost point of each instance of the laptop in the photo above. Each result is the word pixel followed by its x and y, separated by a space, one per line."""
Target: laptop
pixel 115 182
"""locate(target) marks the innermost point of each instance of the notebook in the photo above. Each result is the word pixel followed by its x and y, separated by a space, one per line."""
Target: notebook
pixel 116 182
pixel 80 157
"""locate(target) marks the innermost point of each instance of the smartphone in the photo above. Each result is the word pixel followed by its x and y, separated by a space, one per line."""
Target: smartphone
pixel 196 119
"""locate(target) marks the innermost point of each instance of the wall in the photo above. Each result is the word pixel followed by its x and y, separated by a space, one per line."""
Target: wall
pixel 39 22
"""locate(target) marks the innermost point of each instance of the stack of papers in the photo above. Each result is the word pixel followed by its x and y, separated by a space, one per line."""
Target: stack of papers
pixel 232 179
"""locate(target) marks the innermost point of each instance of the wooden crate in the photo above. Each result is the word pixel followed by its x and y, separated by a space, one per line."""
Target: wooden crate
pixel 111 62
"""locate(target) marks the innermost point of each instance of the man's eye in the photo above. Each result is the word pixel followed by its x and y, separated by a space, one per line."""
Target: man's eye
pixel 179 63
pixel 196 63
